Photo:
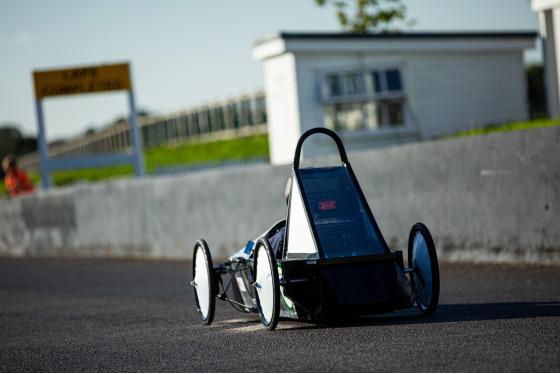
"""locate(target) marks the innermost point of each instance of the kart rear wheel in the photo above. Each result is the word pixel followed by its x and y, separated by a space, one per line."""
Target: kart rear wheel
pixel 266 284
pixel 204 282
pixel 422 258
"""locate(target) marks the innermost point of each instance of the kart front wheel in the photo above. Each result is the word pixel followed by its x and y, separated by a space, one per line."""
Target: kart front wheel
pixel 203 282
pixel 266 284
pixel 422 258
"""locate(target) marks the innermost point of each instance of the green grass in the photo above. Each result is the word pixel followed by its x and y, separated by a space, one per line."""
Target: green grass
pixel 236 149
pixel 506 127
pixel 217 151
pixel 61 178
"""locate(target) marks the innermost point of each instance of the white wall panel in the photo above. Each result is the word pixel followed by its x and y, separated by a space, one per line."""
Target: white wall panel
pixel 451 83
pixel 282 108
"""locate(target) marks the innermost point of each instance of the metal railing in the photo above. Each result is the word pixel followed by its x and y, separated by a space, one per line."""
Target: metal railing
pixel 240 116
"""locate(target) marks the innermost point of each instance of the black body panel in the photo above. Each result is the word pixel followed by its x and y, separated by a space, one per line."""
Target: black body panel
pixel 343 286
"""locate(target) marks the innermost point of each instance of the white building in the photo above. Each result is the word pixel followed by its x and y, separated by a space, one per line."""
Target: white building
pixel 549 20
pixel 382 89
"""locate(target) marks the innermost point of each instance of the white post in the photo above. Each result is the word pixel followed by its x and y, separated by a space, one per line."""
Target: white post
pixel 549 18
pixel 135 138
pixel 42 145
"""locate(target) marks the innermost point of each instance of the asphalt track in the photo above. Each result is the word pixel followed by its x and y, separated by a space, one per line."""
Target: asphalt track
pixel 134 316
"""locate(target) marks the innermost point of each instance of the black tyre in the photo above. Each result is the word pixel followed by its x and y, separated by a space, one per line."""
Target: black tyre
pixel 422 258
pixel 267 285
pixel 204 283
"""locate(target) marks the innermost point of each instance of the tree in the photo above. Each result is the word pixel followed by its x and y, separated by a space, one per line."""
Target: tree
pixel 12 141
pixel 361 16
pixel 10 137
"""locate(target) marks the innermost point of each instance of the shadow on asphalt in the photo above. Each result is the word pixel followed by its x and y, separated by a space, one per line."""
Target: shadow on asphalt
pixel 444 314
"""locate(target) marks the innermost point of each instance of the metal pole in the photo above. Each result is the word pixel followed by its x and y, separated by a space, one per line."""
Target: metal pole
pixel 42 145
pixel 135 138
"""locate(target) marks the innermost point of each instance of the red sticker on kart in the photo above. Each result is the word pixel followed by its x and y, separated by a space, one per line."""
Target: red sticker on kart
pixel 327 205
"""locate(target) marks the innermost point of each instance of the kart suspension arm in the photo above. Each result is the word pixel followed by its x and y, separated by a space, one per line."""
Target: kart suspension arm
pixel 224 297
pixel 226 269
pixel 415 270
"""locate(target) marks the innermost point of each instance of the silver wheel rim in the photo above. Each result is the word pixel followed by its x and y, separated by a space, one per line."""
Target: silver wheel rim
pixel 202 283
pixel 265 285
pixel 423 268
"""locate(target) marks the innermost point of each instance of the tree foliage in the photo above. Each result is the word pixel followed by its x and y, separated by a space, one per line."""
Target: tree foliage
pixel 12 141
pixel 361 16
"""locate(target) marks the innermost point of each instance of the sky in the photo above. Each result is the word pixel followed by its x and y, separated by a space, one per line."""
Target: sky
pixel 182 53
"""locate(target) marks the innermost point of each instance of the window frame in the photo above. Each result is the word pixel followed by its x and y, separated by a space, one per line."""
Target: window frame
pixel 369 99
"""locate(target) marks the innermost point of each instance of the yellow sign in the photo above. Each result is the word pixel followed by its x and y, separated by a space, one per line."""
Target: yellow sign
pixel 81 80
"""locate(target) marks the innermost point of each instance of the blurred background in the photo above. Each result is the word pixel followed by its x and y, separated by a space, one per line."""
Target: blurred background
pixel 186 57
pixel 228 88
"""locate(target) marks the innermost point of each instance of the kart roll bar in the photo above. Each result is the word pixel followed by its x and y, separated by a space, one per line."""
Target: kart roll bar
pixel 321 130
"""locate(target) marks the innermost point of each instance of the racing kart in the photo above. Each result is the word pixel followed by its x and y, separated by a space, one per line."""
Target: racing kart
pixel 333 263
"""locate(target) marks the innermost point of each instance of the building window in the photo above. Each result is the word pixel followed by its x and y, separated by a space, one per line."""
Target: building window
pixel 367 99
pixel 354 84
pixel 393 78
pixel 332 86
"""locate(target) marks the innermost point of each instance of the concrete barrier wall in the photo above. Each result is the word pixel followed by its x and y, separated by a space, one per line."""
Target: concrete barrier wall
pixel 492 198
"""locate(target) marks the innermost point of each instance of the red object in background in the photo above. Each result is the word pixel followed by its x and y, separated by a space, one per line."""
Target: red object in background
pixel 17 182
pixel 327 205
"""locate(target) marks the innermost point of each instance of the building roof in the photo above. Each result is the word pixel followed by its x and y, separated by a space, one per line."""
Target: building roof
pixel 401 35
pixel 406 35
pixel 406 41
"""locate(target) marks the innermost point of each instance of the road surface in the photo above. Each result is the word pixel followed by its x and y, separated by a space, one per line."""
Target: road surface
pixel 128 316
